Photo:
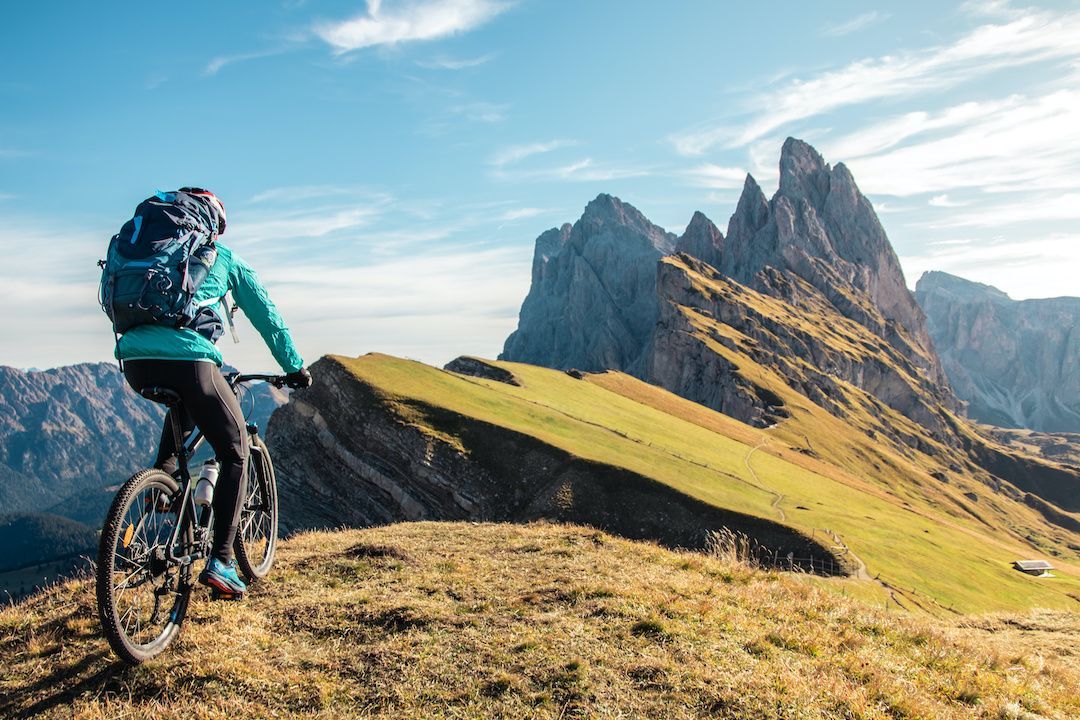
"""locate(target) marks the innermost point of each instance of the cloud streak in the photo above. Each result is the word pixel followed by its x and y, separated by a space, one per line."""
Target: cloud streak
pixel 1027 39
pixel 717 177
pixel 855 24
pixel 411 22
pixel 1018 143
pixel 1001 263
pixel 445 63
pixel 215 66
pixel 516 153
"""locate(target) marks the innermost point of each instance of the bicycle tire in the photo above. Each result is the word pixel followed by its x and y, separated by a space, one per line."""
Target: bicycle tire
pixel 120 528
pixel 256 537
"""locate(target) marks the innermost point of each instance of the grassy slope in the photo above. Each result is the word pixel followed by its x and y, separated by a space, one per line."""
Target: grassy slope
pixel 933 560
pixel 539 621
pixel 847 444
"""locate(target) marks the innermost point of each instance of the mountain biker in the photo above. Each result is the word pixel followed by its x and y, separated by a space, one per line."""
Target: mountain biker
pixel 186 361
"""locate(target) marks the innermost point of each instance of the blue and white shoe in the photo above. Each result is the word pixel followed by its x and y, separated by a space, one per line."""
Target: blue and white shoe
pixel 222 576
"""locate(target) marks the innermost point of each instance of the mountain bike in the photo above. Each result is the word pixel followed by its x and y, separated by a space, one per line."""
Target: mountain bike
pixel 155 533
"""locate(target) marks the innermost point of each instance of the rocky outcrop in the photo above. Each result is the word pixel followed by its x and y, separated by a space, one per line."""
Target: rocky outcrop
pixel 478 367
pixel 794 331
pixel 702 240
pixel 1016 363
pixel 347 455
pixel 592 304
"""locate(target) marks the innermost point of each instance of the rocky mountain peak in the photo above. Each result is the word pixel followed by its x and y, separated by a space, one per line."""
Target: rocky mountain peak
pixel 935 280
pixel 803 172
pixel 596 302
pixel 607 213
pixel 592 303
pixel 703 240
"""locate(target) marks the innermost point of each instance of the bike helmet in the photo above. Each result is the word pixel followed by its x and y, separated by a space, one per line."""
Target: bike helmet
pixel 213 201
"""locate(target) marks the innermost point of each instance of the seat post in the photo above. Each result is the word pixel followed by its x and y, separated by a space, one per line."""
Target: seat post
pixel 175 409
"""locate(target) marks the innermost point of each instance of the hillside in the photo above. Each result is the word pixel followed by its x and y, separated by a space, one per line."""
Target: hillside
pixel 39 548
pixel 67 431
pixel 441 620
pixel 379 439
pixel 1016 362
pixel 32 538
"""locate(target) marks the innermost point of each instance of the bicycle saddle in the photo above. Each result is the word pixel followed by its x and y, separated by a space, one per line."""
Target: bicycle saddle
pixel 165 396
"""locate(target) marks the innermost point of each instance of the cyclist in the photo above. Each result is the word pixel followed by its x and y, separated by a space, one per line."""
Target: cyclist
pixel 186 361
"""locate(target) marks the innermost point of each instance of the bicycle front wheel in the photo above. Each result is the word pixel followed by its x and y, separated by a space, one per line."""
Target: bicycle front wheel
pixel 142 596
pixel 256 538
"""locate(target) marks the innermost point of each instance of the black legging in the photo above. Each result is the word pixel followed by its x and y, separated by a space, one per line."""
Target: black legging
pixel 209 403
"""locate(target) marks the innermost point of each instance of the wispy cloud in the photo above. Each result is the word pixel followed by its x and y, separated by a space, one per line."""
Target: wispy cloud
pixel 1021 266
pixel 583 170
pixel 296 193
pixel 945 201
pixel 1028 210
pixel 480 111
pixel 1033 37
pixel 1015 144
pixel 446 63
pixel 516 153
pixel 465 300
pixel 991 8
pixel 506 164
pixel 10 152
pixel 520 214
pixel 415 21
pixel 717 177
pixel 214 66
pixel 855 24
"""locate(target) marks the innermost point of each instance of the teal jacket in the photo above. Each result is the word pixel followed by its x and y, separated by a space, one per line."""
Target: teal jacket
pixel 228 274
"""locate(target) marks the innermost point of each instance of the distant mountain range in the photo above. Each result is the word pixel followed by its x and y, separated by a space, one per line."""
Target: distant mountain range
pixel 1016 362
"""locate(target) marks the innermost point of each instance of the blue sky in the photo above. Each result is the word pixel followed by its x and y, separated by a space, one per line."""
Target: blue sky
pixel 388 165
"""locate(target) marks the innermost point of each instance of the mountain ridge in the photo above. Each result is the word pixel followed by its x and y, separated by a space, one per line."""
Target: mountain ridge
pixel 1015 362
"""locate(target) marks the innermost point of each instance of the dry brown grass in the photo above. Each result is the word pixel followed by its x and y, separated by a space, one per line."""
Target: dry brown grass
pixel 431 620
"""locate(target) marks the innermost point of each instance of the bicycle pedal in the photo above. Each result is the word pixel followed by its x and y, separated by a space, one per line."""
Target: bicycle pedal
pixel 216 594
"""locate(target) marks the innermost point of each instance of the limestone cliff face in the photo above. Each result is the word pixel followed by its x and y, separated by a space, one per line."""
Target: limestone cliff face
pixel 820 227
pixel 793 330
pixel 1016 363
pixel 816 245
pixel 592 304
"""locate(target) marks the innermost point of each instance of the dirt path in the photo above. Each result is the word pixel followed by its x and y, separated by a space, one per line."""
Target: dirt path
pixel 778 497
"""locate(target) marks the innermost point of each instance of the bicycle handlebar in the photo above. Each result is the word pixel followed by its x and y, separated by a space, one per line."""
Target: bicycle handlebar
pixel 277 381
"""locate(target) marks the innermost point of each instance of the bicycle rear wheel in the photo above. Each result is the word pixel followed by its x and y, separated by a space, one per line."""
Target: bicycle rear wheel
pixel 142 596
pixel 256 538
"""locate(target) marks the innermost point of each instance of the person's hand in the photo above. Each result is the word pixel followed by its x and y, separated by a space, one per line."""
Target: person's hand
pixel 299 379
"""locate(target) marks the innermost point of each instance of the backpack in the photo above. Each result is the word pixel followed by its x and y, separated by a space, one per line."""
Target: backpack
pixel 157 262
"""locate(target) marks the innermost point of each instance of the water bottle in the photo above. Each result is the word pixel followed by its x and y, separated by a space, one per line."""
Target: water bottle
pixel 204 491
pixel 199 265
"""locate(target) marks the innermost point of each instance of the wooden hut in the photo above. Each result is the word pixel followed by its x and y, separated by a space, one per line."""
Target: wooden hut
pixel 1033 567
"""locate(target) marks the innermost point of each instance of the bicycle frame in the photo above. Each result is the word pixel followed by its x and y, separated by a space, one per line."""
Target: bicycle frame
pixel 186 449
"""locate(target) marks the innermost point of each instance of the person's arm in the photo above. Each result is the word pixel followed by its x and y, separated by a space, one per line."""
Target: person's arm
pixel 252 298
